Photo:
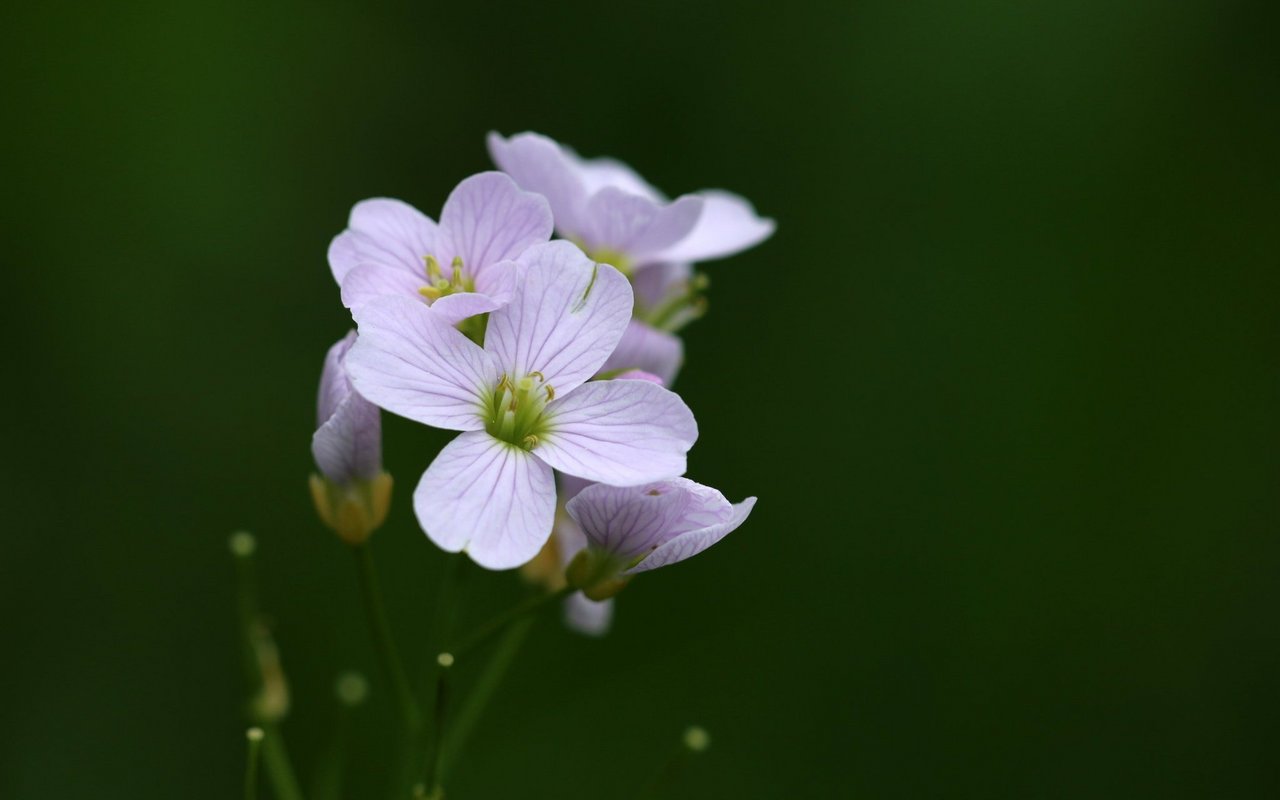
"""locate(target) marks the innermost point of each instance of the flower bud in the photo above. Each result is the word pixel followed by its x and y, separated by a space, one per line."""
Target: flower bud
pixel 354 511
pixel 352 493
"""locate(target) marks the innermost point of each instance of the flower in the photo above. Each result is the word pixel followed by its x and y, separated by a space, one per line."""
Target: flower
pixel 522 402
pixel 639 528
pixel 620 219
pixel 352 493
pixel 460 267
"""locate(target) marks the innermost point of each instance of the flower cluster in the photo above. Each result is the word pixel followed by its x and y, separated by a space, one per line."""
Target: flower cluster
pixel 549 357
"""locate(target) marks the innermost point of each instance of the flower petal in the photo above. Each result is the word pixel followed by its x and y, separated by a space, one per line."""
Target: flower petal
pixel 488 219
pixel 637 226
pixel 369 281
pixel 644 347
pixel 499 281
pixel 347 445
pixel 693 542
pixel 383 231
pixel 495 501
pixel 619 432
pixel 728 225
pixel 597 173
pixel 640 375
pixel 629 520
pixel 454 308
pixel 654 283
pixel 334 384
pixel 411 361
pixel 565 318
pixel 540 165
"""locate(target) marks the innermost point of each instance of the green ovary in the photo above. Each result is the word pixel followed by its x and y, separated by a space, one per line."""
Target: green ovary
pixel 514 410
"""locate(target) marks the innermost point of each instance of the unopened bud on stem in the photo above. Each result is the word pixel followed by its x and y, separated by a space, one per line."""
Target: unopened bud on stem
pixel 354 511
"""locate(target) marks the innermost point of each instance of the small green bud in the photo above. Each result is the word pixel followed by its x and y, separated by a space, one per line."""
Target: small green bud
pixel 696 738
pixel 351 688
pixel 242 544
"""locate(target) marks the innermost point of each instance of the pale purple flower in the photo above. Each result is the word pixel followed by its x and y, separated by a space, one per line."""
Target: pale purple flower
pixel 347 444
pixel 461 266
pixel 617 216
pixel 639 528
pixel 522 401
pixel 352 494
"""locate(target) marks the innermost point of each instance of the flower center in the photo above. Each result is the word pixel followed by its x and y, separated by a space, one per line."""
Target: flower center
pixel 514 410
pixel 438 285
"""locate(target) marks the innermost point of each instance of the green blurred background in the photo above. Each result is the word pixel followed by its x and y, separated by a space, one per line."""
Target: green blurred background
pixel 1004 381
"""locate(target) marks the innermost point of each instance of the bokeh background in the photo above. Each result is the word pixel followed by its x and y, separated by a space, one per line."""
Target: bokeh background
pixel 1004 380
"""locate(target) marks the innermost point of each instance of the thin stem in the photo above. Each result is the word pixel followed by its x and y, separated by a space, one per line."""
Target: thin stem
pixel 284 782
pixel 254 738
pixel 468 715
pixel 274 755
pixel 375 610
pixel 350 690
pixel 436 746
pixel 694 741
pixel 497 624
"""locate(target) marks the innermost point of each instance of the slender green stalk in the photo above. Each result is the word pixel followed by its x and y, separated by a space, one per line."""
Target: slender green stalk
pixel 436 746
pixel 350 691
pixel 496 625
pixel 284 782
pixel 254 641
pixel 375 610
pixel 694 741
pixel 469 713
pixel 254 738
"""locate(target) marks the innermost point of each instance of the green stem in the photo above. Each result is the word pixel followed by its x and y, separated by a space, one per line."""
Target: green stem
pixel 695 741
pixel 464 722
pixel 274 755
pixel 497 624
pixel 330 770
pixel 432 779
pixel 254 737
pixel 375 610
pixel 284 782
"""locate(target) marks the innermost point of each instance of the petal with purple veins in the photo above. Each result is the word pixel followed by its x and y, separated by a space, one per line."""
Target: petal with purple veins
pixel 564 319
pixel 616 220
pixel 488 219
pixel 347 445
pixel 540 165
pixel 370 281
pixel 383 231
pixel 493 500
pixel 412 362
pixel 619 432
pixel 693 542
